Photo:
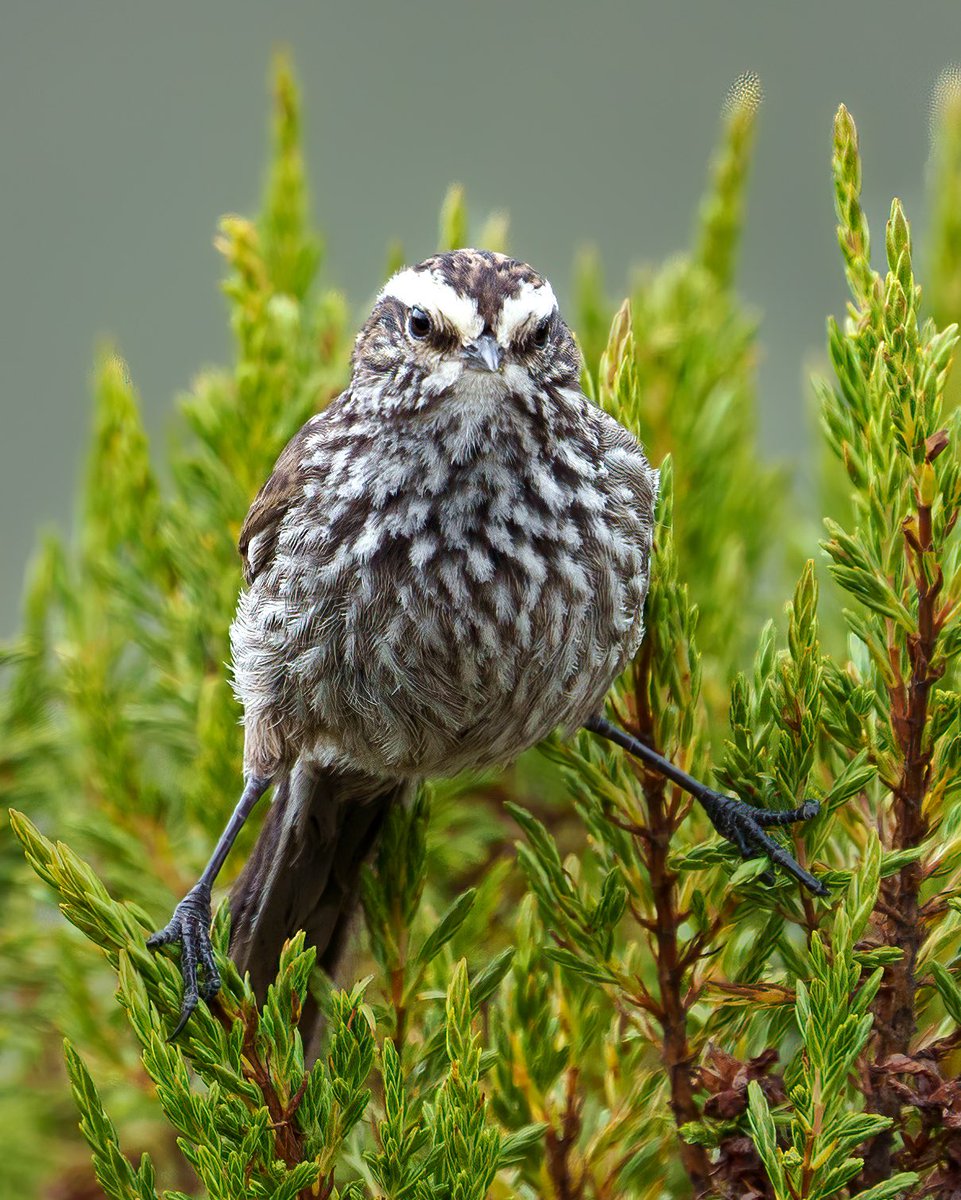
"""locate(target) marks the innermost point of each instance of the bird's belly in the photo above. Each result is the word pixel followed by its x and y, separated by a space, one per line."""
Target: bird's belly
pixel 417 687
pixel 457 646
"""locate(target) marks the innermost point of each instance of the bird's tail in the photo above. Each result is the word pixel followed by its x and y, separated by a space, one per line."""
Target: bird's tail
pixel 304 871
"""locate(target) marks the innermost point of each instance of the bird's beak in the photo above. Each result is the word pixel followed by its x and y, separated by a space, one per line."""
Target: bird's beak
pixel 484 354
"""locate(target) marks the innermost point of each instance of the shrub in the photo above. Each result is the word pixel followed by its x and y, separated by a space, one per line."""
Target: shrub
pixel 621 1006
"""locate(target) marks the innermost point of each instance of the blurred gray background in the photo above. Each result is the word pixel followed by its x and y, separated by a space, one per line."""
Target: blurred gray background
pixel 126 130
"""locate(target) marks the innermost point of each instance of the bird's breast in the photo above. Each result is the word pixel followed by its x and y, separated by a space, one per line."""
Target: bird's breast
pixel 438 613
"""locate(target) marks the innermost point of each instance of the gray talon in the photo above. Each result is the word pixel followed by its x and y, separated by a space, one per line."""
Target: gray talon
pixel 190 928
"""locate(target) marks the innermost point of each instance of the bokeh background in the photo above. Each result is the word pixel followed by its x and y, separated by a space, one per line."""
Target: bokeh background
pixel 127 130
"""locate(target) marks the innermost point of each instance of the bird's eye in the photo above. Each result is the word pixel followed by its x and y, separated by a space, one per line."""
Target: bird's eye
pixel 419 324
pixel 541 333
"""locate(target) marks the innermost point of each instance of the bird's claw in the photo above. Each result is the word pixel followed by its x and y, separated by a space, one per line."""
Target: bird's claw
pixel 744 826
pixel 189 927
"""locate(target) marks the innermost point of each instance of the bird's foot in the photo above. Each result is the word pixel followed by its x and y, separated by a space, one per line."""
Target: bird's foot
pixel 189 927
pixel 744 825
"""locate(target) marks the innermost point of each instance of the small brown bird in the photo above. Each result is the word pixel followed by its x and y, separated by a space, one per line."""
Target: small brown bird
pixel 446 564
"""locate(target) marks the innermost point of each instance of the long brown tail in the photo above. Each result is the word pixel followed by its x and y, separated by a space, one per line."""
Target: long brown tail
pixel 304 871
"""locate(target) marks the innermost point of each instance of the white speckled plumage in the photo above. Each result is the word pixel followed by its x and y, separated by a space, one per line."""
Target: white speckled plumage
pixel 447 563
pixel 441 586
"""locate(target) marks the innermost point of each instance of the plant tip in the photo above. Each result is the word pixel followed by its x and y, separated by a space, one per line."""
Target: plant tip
pixel 944 106
pixel 744 95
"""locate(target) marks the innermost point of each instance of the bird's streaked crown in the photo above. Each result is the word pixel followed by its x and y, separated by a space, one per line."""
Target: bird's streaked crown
pixel 474 290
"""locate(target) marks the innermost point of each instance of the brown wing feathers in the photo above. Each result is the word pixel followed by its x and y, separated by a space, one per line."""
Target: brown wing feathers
pixel 258 536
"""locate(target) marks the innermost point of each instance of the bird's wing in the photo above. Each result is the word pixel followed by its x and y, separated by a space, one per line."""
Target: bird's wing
pixel 628 463
pixel 258 537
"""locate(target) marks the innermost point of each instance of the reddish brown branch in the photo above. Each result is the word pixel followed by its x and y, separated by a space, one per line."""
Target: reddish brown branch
pixel 662 816
pixel 898 914
pixel 567 1178
pixel 288 1139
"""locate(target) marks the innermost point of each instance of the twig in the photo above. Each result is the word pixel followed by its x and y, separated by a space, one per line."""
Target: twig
pixel 568 1180
pixel 898 911
pixel 669 960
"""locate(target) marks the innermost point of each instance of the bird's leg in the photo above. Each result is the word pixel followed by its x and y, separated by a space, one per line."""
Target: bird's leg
pixel 743 824
pixel 190 923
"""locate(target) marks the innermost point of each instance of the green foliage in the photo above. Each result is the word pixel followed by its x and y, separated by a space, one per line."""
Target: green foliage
pixel 568 986
pixel 678 370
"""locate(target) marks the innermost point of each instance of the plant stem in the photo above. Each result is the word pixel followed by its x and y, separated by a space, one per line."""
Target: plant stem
pixel 671 1010
pixel 287 1137
pixel 568 1180
pixel 899 911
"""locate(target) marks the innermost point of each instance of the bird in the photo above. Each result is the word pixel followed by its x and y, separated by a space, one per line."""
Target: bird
pixel 446 565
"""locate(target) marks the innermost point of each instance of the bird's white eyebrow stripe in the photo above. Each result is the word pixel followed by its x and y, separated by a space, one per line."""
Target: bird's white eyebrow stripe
pixel 427 290
pixel 530 301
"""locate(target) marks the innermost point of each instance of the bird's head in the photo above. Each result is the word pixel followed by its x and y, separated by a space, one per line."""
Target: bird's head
pixel 464 324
